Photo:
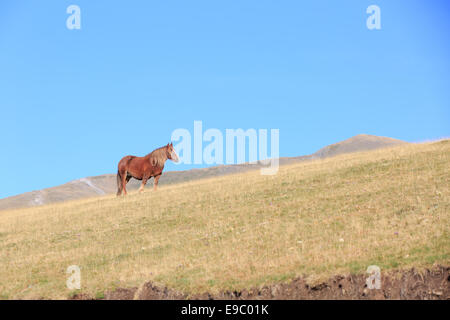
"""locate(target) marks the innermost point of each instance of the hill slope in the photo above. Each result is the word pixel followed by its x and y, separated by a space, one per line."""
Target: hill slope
pixel 106 184
pixel 387 207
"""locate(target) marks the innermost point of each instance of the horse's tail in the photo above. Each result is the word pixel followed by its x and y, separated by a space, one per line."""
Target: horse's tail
pixel 119 184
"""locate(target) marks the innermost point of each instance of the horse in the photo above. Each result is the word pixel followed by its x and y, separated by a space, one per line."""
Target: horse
pixel 143 168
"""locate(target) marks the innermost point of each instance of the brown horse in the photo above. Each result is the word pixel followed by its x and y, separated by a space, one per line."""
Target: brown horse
pixel 143 168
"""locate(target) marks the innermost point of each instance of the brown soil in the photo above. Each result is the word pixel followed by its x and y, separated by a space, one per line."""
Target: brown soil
pixel 431 284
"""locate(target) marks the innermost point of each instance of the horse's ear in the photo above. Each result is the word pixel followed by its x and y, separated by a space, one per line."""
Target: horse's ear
pixel 171 144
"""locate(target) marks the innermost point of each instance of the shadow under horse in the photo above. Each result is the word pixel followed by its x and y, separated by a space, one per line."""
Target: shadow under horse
pixel 143 168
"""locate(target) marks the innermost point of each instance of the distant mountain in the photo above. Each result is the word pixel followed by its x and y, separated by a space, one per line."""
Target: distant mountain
pixel 361 142
pixel 106 184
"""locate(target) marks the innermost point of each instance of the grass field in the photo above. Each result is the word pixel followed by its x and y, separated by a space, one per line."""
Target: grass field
pixel 389 207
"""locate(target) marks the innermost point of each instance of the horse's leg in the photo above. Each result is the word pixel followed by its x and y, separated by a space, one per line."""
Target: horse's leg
pixel 155 183
pixel 119 184
pixel 144 181
pixel 125 179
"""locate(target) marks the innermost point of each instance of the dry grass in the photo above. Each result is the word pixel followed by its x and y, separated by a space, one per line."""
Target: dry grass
pixel 389 207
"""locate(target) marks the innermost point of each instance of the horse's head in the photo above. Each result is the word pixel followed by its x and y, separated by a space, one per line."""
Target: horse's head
pixel 171 154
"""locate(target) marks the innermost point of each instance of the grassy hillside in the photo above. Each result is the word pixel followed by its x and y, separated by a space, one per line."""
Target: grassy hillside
pixel 387 207
pixel 107 183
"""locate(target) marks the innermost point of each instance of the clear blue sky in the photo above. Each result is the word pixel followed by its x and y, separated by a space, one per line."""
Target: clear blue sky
pixel 73 102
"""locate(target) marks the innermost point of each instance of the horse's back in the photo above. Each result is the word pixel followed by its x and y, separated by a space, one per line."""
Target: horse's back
pixel 125 161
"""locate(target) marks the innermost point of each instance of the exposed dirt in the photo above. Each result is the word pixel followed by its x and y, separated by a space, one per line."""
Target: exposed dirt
pixel 431 284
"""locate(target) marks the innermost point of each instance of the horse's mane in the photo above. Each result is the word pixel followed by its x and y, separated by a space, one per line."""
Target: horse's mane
pixel 158 157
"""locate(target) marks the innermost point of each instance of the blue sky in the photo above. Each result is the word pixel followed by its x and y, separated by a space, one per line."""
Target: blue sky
pixel 73 102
